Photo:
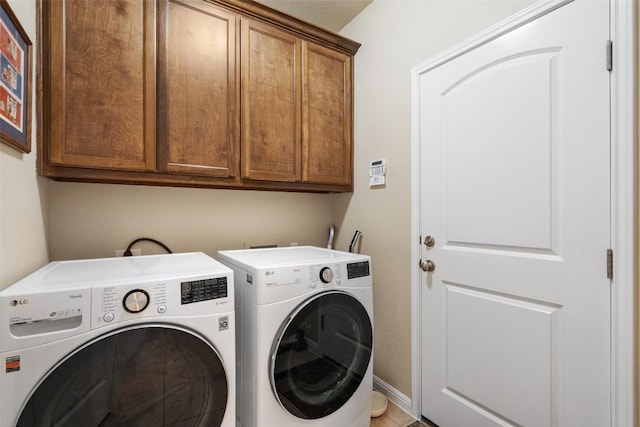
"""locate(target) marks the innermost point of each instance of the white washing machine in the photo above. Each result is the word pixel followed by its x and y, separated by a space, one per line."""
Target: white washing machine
pixel 134 341
pixel 304 337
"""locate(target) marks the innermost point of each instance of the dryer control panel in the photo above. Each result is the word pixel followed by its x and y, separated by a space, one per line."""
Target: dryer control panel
pixel 325 275
pixel 281 283
pixel 358 269
pixel 277 274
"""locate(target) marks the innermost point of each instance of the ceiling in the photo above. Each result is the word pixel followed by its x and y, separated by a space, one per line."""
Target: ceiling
pixel 332 15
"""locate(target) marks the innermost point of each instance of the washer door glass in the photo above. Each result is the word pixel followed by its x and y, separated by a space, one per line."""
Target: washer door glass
pixel 151 375
pixel 321 355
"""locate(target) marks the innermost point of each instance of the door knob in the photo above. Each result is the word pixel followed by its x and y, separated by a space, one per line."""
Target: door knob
pixel 427 265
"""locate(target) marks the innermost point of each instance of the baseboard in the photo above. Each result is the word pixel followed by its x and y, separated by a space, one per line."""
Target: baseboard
pixel 400 399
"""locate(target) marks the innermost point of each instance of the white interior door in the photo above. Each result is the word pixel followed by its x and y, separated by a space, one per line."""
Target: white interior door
pixel 514 189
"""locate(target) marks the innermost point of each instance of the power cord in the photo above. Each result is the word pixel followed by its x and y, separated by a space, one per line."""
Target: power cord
pixel 127 252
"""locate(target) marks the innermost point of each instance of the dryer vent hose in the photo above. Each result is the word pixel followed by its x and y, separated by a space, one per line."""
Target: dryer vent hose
pixel 332 231
pixel 354 240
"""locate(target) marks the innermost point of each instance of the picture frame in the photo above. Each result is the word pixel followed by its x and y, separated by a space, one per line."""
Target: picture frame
pixel 16 70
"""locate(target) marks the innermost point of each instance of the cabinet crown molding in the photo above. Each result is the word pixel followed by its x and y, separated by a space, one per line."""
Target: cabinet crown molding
pixel 302 28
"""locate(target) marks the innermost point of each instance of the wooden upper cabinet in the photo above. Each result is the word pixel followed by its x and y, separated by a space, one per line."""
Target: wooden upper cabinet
pixel 198 91
pixel 271 98
pixel 100 77
pixel 326 116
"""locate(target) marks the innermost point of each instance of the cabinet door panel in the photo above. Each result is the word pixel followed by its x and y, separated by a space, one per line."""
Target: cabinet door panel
pixel 102 84
pixel 326 116
pixel 198 91
pixel 270 103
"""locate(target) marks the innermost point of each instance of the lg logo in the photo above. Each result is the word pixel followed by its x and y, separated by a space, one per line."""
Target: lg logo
pixel 15 302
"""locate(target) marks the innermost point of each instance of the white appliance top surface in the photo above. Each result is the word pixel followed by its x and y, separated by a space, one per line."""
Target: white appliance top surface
pixel 285 256
pixel 84 273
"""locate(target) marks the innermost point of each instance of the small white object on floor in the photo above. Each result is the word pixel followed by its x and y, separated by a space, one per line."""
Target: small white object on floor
pixel 379 404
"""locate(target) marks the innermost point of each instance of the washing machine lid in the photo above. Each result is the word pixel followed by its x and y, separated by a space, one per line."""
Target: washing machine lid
pixel 321 354
pixel 146 375
pixel 253 259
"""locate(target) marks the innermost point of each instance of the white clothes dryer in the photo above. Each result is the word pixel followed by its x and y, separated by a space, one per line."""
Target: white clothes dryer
pixel 133 341
pixel 304 337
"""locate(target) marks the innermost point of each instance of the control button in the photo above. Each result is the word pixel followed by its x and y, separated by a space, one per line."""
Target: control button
pixel 135 301
pixel 338 282
pixel 326 275
pixel 108 317
pixel 313 285
pixel 162 309
pixel 223 323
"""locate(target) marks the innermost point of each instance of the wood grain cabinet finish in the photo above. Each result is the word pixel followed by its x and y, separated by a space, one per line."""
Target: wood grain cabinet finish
pixel 326 116
pixel 196 93
pixel 198 98
pixel 271 116
pixel 101 84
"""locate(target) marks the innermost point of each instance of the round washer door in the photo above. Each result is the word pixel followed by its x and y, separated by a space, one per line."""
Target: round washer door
pixel 321 355
pixel 148 375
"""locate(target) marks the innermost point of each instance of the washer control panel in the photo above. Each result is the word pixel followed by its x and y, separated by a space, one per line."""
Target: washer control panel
pixel 111 303
pixel 174 297
pixel 203 290
pixel 326 274
pixel 135 301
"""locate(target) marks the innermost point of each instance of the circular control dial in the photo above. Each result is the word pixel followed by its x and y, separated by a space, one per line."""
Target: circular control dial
pixel 135 301
pixel 326 275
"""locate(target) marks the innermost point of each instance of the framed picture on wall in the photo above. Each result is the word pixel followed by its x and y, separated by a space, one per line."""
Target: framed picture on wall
pixel 15 81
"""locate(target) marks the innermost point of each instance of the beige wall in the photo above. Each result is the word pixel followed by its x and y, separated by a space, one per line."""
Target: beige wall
pixel 396 35
pixel 23 196
pixel 93 220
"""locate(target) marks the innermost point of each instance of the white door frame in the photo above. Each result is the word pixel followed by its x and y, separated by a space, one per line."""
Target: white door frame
pixel 623 196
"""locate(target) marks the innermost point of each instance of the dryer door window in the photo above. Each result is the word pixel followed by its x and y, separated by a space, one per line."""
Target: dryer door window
pixel 321 355
pixel 150 375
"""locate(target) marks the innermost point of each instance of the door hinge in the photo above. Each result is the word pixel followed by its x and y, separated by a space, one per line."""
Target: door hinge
pixel 609 264
pixel 609 55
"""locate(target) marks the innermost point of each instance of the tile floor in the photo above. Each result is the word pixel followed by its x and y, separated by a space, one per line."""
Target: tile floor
pixel 396 417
